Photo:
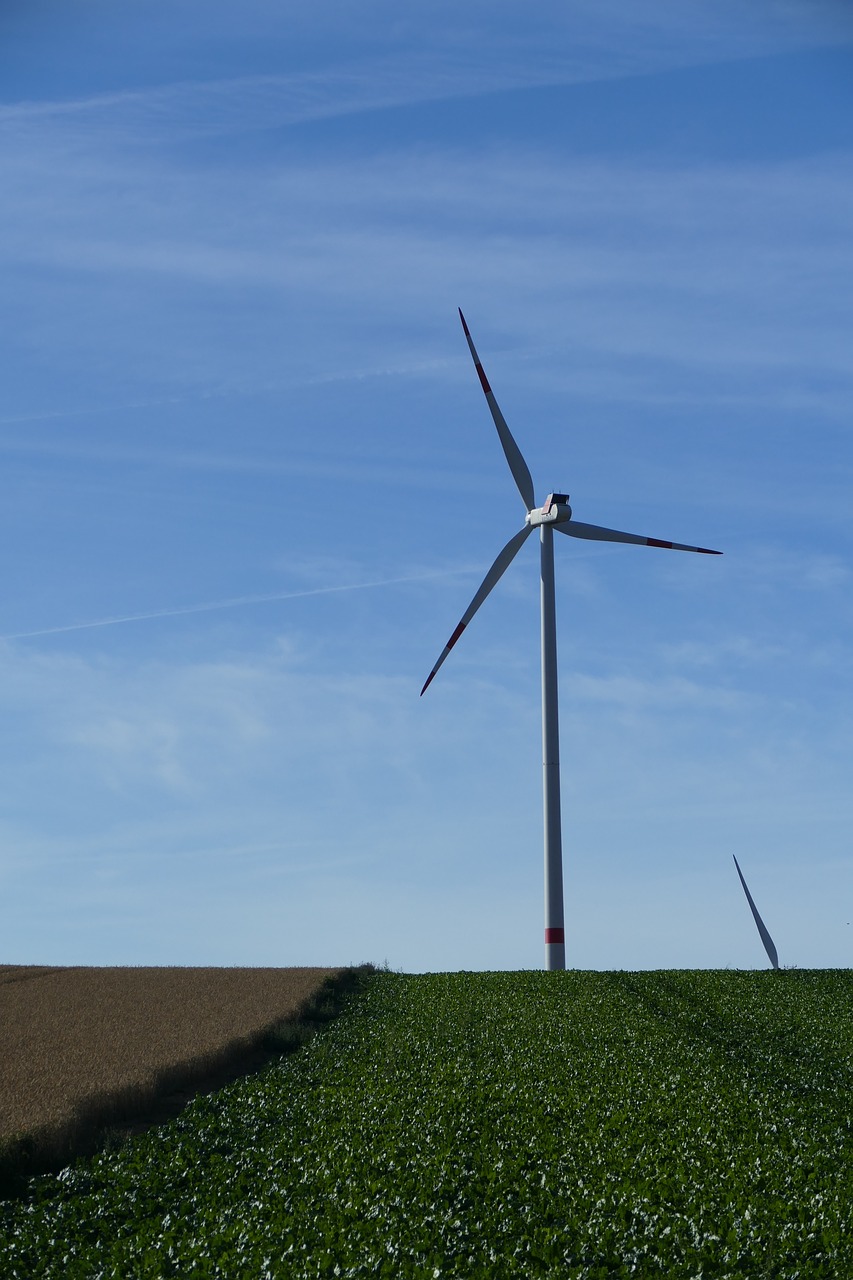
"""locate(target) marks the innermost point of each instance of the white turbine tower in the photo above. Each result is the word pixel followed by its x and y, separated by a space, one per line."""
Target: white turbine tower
pixel 555 513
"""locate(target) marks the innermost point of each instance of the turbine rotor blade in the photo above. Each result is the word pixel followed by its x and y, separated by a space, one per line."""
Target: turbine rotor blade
pixel 597 533
pixel 517 465
pixel 769 945
pixel 502 563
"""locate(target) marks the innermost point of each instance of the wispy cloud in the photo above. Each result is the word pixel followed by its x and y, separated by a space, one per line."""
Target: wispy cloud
pixel 590 42
pixel 632 694
pixel 792 568
pixel 703 246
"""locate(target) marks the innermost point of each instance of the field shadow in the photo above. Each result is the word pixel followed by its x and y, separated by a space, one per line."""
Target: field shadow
pixel 105 1121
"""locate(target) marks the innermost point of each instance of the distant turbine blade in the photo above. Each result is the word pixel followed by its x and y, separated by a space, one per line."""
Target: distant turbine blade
pixel 596 532
pixel 497 570
pixel 769 945
pixel 517 465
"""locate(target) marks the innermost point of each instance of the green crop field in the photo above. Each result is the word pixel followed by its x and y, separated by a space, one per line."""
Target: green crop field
pixel 677 1124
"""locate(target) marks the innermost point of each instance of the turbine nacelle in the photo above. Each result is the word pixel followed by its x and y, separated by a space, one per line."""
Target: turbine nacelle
pixel 555 510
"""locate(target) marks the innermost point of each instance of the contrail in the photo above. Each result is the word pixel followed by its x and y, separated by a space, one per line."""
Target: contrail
pixel 232 603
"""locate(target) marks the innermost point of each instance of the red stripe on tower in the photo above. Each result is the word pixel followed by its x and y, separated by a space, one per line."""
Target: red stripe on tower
pixel 555 935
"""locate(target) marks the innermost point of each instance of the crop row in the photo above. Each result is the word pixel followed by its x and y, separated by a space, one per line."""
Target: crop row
pixel 495 1125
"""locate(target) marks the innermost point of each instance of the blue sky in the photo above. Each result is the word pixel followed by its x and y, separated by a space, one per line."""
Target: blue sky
pixel 250 483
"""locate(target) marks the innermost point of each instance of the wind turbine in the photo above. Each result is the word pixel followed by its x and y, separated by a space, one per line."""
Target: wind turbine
pixel 555 513
pixel 763 933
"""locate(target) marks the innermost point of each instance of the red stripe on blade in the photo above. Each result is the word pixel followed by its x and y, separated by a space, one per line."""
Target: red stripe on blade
pixel 555 935
pixel 484 381
pixel 456 634
pixel 656 542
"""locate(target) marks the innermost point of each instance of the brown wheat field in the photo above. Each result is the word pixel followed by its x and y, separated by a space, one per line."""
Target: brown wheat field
pixel 83 1047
